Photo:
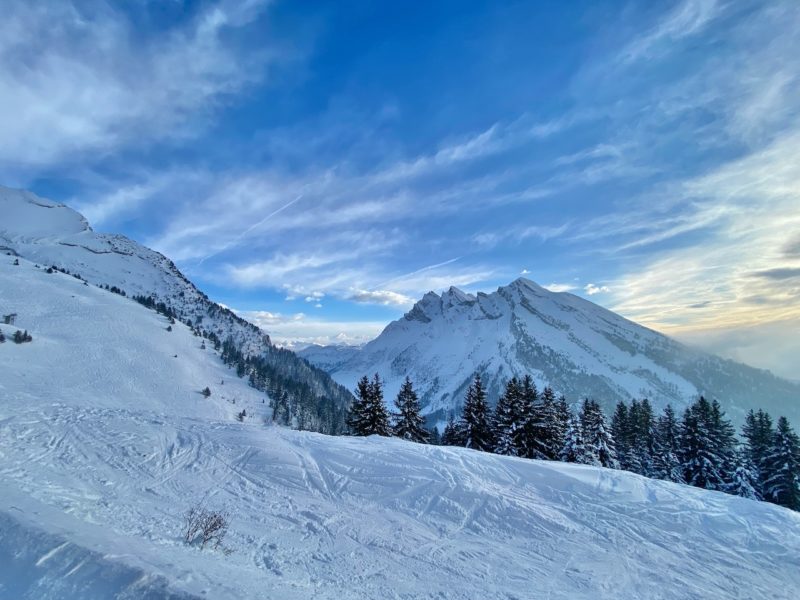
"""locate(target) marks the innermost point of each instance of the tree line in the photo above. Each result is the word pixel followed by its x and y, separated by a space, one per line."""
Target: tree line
pixel 699 448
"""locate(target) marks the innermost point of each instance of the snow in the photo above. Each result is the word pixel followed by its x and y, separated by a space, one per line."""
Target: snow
pixel 105 442
pixel 577 347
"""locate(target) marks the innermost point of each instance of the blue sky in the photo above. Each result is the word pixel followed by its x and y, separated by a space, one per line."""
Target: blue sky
pixel 320 165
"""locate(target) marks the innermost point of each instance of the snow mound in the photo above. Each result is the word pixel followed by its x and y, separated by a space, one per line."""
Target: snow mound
pixel 105 442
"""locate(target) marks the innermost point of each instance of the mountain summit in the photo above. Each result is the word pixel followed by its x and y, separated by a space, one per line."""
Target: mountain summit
pixel 562 340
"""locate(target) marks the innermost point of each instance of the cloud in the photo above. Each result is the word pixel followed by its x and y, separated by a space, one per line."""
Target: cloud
pixel 779 273
pixel 592 289
pixel 298 330
pixel 560 287
pixel 80 78
pixel 688 18
pixel 383 297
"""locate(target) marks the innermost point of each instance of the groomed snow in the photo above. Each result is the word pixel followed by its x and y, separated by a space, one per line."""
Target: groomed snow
pixel 105 441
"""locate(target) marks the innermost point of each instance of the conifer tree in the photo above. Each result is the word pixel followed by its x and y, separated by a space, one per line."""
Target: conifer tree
pixel 745 480
pixel 368 415
pixel 475 420
pixel 508 420
pixel 702 467
pixel 547 441
pixel 723 439
pixel 574 450
pixel 452 434
pixel 527 439
pixel 666 464
pixel 641 423
pixel 598 440
pixel 757 432
pixel 620 429
pixel 409 424
pixel 782 477
pixel 562 417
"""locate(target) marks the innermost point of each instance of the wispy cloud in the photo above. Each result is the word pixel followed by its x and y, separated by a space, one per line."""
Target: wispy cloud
pixel 688 18
pixel 79 78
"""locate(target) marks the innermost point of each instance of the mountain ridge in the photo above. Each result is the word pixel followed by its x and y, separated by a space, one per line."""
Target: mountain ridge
pixel 55 235
pixel 579 348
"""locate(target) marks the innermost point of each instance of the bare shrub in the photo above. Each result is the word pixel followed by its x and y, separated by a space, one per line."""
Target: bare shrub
pixel 206 526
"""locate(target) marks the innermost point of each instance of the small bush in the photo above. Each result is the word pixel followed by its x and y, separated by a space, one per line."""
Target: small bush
pixel 206 392
pixel 208 527
pixel 20 337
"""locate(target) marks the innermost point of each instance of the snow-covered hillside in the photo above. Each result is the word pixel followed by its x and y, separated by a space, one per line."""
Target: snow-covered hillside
pixel 105 441
pixel 53 234
pixel 577 347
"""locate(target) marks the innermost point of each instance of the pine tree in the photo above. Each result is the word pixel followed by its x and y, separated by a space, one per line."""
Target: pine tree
pixel 524 430
pixel 368 415
pixel 409 424
pixel 452 434
pixel 745 480
pixel 475 425
pixel 560 426
pixel 598 440
pixel 723 439
pixel 641 423
pixel 545 442
pixel 757 432
pixel 620 429
pixel 702 467
pixel 574 450
pixel 666 464
pixel 782 477
pixel 508 420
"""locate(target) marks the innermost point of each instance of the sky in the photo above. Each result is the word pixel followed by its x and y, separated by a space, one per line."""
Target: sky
pixel 318 166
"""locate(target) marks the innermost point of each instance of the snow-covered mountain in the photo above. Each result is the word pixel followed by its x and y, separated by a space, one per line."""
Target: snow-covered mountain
pixel 106 441
pixel 54 235
pixel 577 347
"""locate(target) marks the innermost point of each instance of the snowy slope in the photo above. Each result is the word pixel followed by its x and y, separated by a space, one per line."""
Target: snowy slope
pixel 105 442
pixel 49 233
pixel 577 347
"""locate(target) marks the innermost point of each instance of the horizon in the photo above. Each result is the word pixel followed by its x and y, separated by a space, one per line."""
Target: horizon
pixel 319 168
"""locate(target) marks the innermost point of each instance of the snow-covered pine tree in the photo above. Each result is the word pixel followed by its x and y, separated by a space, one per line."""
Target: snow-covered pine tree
pixel 757 432
pixel 452 434
pixel 574 450
pixel 666 464
pixel 508 420
pixel 745 479
pixel 598 440
pixel 547 441
pixel 368 415
pixel 475 420
pixel 641 422
pixel 621 430
pixel 562 417
pixel 723 437
pixel 526 433
pixel 702 467
pixel 782 477
pixel 408 423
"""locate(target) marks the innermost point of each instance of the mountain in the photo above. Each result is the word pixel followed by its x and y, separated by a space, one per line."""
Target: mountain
pixel 106 442
pixel 54 235
pixel 575 346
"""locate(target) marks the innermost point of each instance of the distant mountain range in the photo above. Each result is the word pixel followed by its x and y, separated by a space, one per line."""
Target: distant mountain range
pixel 53 234
pixel 575 346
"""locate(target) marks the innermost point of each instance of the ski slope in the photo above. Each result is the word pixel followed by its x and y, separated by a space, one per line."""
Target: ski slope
pixel 105 441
